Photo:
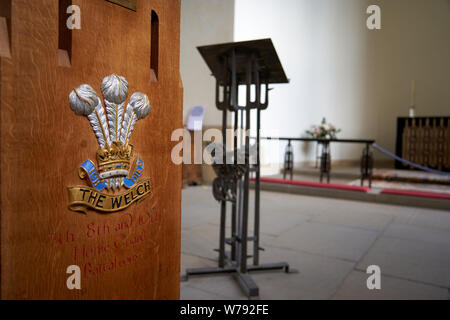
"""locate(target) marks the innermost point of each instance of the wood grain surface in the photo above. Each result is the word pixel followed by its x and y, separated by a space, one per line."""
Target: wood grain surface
pixel 131 254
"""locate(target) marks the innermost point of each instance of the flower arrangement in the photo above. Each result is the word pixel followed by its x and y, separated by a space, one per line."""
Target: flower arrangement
pixel 323 131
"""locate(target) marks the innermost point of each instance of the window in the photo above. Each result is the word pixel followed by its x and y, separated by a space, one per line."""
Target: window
pixel 154 52
pixel 64 35
pixel 5 28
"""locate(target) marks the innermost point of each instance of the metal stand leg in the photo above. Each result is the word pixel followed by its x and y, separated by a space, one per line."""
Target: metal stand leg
pixel 233 206
pixel 257 192
pixel 223 208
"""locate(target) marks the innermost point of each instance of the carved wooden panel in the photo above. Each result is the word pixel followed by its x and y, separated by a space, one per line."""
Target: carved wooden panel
pixel 425 141
pixel 131 254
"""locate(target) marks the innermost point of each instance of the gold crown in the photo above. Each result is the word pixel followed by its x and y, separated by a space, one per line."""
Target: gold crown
pixel 115 157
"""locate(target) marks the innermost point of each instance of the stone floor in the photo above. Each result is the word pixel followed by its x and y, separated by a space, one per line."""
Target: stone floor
pixel 330 242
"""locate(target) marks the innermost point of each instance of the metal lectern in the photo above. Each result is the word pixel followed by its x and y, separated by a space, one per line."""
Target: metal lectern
pixel 253 65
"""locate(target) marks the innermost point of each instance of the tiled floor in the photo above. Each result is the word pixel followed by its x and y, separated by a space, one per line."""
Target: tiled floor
pixel 330 242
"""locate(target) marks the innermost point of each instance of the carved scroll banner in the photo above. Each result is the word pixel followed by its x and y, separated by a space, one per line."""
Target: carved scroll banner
pixel 81 198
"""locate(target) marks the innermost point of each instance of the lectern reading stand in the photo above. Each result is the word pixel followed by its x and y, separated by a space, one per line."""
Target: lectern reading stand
pixel 251 64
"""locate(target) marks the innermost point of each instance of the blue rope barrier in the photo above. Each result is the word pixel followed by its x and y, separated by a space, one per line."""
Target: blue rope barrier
pixel 412 164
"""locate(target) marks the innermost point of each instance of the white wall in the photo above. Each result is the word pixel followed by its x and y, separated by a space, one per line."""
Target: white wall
pixel 359 79
pixel 203 22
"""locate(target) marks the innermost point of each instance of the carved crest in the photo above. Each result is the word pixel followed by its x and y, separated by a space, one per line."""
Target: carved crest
pixel 112 124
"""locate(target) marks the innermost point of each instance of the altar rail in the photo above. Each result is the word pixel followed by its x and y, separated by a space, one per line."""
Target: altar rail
pixel 325 157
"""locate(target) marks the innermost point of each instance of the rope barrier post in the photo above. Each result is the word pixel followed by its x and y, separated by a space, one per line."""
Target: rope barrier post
pixel 367 165
pixel 325 160
pixel 288 161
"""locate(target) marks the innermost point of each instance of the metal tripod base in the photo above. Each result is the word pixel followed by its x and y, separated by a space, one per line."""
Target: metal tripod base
pixel 247 284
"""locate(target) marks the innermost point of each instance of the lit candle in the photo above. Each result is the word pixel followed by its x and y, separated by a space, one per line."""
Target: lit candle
pixel 413 93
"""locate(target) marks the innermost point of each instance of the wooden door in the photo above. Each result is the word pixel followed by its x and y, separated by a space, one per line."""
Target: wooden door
pixel 128 254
